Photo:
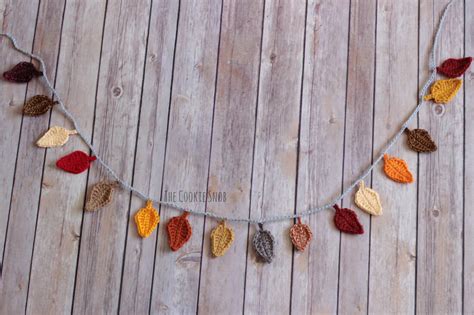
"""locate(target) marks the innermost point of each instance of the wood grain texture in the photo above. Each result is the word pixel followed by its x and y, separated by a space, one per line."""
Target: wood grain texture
pixel 139 261
pixel 20 237
pixel 315 275
pixel 275 156
pixel 53 268
pixel 13 96
pixel 440 197
pixel 232 152
pixel 355 251
pixel 468 249
pixel 392 267
pixel 176 276
pixel 102 246
pixel 279 104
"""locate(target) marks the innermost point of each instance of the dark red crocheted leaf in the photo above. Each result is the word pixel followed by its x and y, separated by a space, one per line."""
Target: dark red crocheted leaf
pixel 346 221
pixel 75 162
pixel 453 68
pixel 22 73
pixel 179 231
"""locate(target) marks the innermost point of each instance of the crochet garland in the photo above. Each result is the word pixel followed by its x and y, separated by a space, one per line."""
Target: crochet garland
pixel 178 228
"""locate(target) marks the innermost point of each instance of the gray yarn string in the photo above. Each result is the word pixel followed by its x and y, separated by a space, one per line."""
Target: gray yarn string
pixel 129 187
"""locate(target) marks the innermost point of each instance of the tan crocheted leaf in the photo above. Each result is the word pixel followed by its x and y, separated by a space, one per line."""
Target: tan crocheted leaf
pixel 55 137
pixel 397 169
pixel 221 239
pixel 419 140
pixel 263 243
pixel 442 91
pixel 300 235
pixel 368 200
pixel 38 105
pixel 147 219
pixel 101 195
pixel 179 231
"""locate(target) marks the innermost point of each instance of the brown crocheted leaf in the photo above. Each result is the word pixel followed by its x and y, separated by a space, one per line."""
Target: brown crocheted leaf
pixel 38 105
pixel 300 235
pixel 263 243
pixel 453 68
pixel 101 195
pixel 346 221
pixel 22 73
pixel 419 140
pixel 179 231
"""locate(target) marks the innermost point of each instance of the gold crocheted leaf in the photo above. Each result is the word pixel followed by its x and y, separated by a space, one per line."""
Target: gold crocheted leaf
pixel 397 169
pixel 55 137
pixel 101 195
pixel 38 105
pixel 147 219
pixel 368 200
pixel 300 235
pixel 419 140
pixel 442 91
pixel 221 239
pixel 263 243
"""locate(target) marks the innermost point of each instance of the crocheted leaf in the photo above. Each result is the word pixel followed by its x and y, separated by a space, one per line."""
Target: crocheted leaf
pixel 147 220
pixel 22 73
pixel 55 137
pixel 346 221
pixel 101 195
pixel 221 239
pixel 75 162
pixel 419 140
pixel 179 231
pixel 397 169
pixel 263 243
pixel 38 105
pixel 368 200
pixel 300 235
pixel 442 91
pixel 453 68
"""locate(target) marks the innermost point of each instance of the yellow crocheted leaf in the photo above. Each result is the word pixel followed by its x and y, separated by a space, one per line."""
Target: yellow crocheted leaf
pixel 55 137
pixel 221 239
pixel 442 91
pixel 147 219
pixel 368 200
pixel 397 169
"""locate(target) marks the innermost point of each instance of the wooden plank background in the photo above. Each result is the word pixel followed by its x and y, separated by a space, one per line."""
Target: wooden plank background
pixel 280 104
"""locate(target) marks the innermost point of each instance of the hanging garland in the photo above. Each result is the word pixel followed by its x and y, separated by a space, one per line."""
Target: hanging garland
pixel 179 229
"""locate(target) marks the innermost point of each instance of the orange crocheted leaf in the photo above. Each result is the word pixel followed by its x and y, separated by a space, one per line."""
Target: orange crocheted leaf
pixel 443 91
pixel 179 231
pixel 397 169
pixel 300 235
pixel 147 219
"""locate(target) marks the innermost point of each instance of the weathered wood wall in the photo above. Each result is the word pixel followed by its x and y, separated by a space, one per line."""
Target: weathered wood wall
pixel 280 104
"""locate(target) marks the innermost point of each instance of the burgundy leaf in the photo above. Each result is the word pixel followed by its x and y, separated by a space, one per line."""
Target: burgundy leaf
pixel 453 68
pixel 22 73
pixel 346 221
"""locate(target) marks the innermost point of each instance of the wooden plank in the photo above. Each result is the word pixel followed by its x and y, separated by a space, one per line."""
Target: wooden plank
pixel 176 275
pixel 275 156
pixel 232 153
pixel 139 259
pixel 17 22
pixel 440 204
pixel 60 216
pixel 354 256
pixel 468 271
pixel 29 169
pixel 115 133
pixel 315 273
pixel 393 235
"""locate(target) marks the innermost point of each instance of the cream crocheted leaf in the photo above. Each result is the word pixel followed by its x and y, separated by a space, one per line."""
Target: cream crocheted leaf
pixel 55 137
pixel 368 200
